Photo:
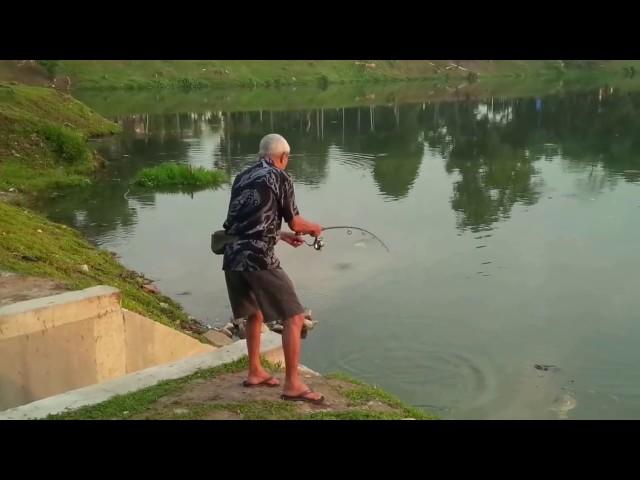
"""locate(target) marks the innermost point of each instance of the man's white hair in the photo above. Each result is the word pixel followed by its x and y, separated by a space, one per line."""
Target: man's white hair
pixel 273 145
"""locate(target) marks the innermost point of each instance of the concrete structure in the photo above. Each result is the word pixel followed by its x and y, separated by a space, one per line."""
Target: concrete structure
pixel 271 348
pixel 63 342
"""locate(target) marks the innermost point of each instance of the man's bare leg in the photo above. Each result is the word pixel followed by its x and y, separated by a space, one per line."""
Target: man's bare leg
pixel 291 346
pixel 257 373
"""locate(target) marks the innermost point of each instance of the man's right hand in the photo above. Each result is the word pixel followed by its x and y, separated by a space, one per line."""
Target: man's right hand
pixel 315 229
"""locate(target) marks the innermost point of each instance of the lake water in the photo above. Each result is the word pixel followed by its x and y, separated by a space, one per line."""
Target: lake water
pixel 513 225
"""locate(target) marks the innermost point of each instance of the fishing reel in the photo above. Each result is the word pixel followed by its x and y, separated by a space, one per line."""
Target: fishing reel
pixel 318 243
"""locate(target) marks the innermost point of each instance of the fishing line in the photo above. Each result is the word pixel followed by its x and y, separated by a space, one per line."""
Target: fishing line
pixel 318 243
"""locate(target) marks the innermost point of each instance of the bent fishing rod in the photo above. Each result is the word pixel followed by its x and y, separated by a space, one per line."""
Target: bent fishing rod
pixel 318 243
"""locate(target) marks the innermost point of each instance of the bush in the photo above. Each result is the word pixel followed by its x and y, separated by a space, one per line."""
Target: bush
pixel 323 82
pixel 68 145
pixel 51 66
pixel 191 84
pixel 170 175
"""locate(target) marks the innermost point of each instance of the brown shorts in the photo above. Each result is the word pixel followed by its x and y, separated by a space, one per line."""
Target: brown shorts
pixel 270 291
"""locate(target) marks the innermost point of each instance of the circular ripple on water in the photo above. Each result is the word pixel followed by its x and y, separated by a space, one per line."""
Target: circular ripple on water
pixel 423 376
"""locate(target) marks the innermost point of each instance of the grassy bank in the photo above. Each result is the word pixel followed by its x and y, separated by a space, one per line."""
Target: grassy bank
pixel 201 74
pixel 195 74
pixel 32 245
pixel 183 399
pixel 43 137
pixel 192 74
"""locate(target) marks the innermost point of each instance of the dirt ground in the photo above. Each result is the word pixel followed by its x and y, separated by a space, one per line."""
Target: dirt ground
pixel 26 72
pixel 224 398
pixel 17 288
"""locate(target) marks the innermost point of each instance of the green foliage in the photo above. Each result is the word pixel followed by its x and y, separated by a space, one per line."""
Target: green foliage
pixel 168 175
pixel 51 66
pixel 68 145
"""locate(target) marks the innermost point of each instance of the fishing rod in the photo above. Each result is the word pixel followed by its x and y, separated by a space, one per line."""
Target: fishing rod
pixel 318 243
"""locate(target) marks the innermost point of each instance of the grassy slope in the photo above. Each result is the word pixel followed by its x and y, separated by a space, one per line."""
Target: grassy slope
pixel 43 138
pixel 32 245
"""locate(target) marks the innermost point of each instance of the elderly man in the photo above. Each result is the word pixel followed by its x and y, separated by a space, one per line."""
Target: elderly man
pixel 259 289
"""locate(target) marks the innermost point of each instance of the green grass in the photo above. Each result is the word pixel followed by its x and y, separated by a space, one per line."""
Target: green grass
pixel 68 145
pixel 15 174
pixel 360 394
pixel 43 139
pixel 279 410
pixel 179 176
pixel 40 106
pixel 255 410
pixel 360 415
pixel 200 74
pixel 59 253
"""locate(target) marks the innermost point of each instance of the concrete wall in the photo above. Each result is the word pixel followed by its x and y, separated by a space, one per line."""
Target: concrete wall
pixel 63 342
pixel 148 343
pixel 53 344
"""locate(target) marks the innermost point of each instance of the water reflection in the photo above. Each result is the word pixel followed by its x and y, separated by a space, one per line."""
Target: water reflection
pixel 484 146
pixel 392 136
pixel 491 149
pixel 244 130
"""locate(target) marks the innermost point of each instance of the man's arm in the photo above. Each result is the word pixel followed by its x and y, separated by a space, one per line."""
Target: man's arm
pixel 291 214
pixel 302 226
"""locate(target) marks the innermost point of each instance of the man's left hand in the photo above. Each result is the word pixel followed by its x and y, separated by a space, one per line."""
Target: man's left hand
pixel 291 238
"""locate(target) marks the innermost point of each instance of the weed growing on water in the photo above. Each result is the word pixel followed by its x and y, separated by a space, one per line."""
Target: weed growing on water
pixel 179 176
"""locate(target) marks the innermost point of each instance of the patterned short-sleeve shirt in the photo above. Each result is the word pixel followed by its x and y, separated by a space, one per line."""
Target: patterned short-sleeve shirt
pixel 261 197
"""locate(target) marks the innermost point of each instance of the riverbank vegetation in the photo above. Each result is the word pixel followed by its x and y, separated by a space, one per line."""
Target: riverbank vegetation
pixel 179 176
pixel 43 139
pixel 201 74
